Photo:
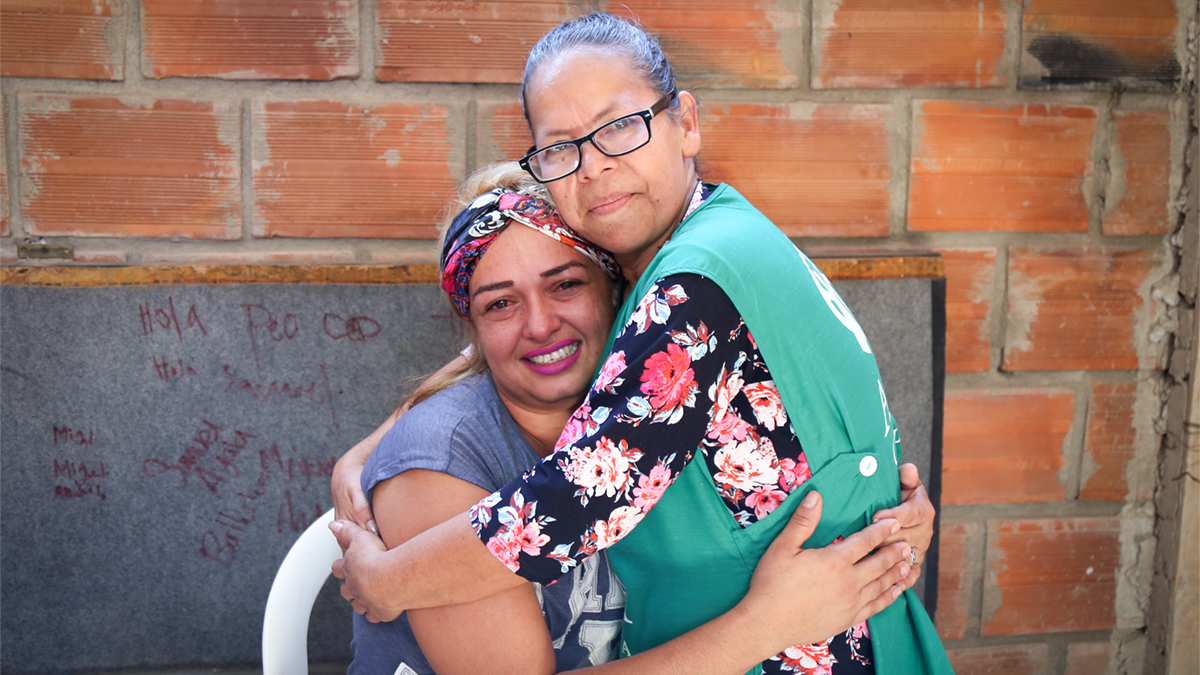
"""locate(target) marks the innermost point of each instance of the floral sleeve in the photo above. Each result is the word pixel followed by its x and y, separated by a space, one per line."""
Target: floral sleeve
pixel 643 420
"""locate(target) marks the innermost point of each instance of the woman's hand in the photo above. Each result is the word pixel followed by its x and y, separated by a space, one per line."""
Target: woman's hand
pixel 803 596
pixel 915 515
pixel 360 551
pixel 349 502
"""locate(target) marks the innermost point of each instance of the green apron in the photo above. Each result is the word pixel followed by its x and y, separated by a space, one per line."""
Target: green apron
pixel 689 561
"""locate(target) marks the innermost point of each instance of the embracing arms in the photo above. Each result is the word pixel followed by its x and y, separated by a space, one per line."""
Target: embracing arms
pixel 505 632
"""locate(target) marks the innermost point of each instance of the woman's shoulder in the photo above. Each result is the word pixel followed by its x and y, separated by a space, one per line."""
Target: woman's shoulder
pixel 464 431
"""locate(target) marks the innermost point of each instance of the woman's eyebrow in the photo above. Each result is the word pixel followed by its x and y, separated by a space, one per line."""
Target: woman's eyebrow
pixel 560 269
pixel 493 287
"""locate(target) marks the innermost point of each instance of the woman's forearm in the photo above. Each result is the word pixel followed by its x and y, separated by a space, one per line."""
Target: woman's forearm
pixel 444 565
pixel 727 644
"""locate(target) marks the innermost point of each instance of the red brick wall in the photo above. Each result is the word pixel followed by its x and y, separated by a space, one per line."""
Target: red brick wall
pixel 1035 145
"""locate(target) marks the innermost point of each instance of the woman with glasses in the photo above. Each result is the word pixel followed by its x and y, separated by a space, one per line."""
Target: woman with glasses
pixel 736 384
pixel 538 302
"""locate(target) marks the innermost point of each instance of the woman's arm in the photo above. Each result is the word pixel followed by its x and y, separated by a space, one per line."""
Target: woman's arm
pixel 775 614
pixel 501 633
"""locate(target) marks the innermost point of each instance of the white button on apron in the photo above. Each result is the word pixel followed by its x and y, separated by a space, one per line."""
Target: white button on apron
pixel 868 465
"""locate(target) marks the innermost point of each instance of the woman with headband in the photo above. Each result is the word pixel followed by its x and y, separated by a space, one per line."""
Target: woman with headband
pixel 539 304
pixel 736 383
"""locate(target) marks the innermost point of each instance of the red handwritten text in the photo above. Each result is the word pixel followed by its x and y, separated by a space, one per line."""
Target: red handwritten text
pixel 80 480
pixel 69 436
pixel 260 319
pixel 233 521
pixel 319 392
pixel 164 318
pixel 169 370
pixel 355 329
pixel 217 471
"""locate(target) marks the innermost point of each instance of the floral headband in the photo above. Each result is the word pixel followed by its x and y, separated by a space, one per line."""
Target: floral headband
pixel 478 225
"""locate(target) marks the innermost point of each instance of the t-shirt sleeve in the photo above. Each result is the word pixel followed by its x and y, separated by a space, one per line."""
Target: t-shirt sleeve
pixel 639 426
pixel 453 433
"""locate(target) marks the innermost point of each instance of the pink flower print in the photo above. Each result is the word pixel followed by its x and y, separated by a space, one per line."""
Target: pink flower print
pixel 807 659
pixel 600 471
pixel 767 404
pixel 743 466
pixel 528 536
pixel 670 382
pixel 751 339
pixel 607 380
pixel 861 631
pixel 792 474
pixel 764 500
pixel 724 389
pixel 583 422
pixel 620 523
pixel 651 487
pixel 503 548
pixel 728 428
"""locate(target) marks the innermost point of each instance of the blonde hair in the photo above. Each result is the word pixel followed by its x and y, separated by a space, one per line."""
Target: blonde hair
pixel 507 175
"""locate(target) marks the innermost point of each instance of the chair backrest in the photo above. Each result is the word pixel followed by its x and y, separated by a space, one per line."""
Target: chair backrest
pixel 297 583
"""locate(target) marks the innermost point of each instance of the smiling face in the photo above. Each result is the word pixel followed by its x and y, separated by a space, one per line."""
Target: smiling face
pixel 629 204
pixel 543 311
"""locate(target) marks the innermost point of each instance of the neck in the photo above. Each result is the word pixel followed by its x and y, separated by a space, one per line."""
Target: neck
pixel 633 264
pixel 541 427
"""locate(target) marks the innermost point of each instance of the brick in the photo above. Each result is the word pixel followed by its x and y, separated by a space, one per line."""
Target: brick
pixel 1078 309
pixel 98 166
pixel 250 39
pixel 1099 42
pixel 77 39
pixel 815 169
pixel 1050 575
pixel 1139 190
pixel 101 257
pixel 405 257
pixel 1088 658
pixel 1005 446
pixel 970 294
pixel 955 581
pixel 978 167
pixel 714 42
pixel 248 257
pixel 1028 659
pixel 502 132
pixel 1120 443
pixel 449 41
pixel 922 43
pixel 336 169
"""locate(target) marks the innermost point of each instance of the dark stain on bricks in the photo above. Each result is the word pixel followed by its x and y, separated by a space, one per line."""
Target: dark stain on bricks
pixel 1074 61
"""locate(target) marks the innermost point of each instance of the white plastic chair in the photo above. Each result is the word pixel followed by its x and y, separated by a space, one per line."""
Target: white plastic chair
pixel 295 589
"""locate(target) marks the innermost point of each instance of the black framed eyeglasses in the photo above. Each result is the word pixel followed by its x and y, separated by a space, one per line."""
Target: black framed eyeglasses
pixel 618 137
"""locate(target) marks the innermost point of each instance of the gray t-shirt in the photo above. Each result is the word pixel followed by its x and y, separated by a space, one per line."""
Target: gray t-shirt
pixel 466 432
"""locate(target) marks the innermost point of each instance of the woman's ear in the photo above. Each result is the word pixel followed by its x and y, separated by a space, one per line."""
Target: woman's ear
pixel 688 118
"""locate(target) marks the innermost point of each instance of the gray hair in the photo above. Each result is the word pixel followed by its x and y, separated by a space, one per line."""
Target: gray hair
pixel 606 32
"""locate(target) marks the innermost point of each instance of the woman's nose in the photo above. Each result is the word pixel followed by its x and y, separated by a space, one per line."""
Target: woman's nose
pixel 541 321
pixel 592 161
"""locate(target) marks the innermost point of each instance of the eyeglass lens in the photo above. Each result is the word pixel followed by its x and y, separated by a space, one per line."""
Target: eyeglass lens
pixel 618 137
